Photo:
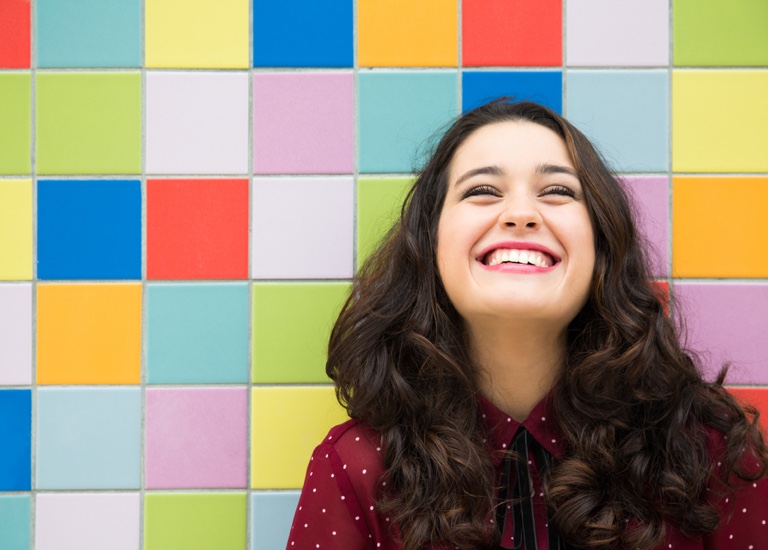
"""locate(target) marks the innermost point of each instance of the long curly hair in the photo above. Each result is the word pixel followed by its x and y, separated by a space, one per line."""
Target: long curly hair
pixel 631 401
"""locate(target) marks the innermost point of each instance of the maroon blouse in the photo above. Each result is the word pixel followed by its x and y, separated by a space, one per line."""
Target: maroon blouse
pixel 337 509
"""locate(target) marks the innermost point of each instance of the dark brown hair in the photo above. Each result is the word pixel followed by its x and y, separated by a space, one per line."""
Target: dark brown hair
pixel 631 401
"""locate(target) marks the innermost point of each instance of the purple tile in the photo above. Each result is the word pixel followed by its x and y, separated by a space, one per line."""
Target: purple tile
pixel 728 322
pixel 650 195
pixel 303 123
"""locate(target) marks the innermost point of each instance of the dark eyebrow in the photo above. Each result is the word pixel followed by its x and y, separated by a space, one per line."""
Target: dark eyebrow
pixel 546 168
pixel 483 170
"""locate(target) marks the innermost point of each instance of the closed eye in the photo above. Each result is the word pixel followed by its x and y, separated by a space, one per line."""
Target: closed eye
pixel 480 190
pixel 559 190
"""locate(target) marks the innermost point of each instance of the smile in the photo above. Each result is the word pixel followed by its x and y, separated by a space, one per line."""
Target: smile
pixel 516 256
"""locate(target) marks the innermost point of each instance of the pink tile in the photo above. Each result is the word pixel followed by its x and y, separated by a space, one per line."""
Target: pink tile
pixel 83 521
pixel 196 438
pixel 728 322
pixel 651 199
pixel 303 123
pixel 16 334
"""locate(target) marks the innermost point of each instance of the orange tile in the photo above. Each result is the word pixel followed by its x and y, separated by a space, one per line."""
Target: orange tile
pixel 89 334
pixel 758 397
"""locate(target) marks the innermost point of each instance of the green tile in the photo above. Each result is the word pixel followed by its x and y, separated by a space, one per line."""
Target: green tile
pixel 203 521
pixel 16 123
pixel 379 201
pixel 720 32
pixel 291 325
pixel 89 123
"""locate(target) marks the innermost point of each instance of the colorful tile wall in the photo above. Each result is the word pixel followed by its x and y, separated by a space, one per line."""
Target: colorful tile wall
pixel 186 190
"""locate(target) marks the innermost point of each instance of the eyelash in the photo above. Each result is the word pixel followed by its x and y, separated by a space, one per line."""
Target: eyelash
pixel 559 190
pixel 488 190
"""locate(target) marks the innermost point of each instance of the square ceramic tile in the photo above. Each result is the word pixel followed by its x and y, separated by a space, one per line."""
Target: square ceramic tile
pixel 650 196
pixel 16 334
pixel 196 438
pixel 206 34
pixel 397 112
pixel 15 522
pixel 696 202
pixel 203 521
pixel 302 228
pixel 80 33
pixel 287 423
pixel 625 113
pixel 379 203
pixel 479 87
pixel 197 333
pixel 720 32
pixel 605 33
pixel 402 33
pixel 88 123
pixel 14 28
pixel 15 440
pixel 16 121
pixel 303 33
pixel 88 438
pixel 499 32
pixel 89 229
pixel 87 521
pixel 197 229
pixel 88 333
pixel 303 123
pixel 732 139
pixel 16 229
pixel 197 123
pixel 271 518
pixel 291 326
pixel 728 323
pixel 756 397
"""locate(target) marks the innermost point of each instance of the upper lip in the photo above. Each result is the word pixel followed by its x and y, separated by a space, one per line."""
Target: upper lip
pixel 517 245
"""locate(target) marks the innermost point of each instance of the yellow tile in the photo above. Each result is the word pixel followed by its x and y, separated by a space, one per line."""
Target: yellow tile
pixel 287 423
pixel 719 226
pixel 407 33
pixel 720 121
pixel 197 33
pixel 88 334
pixel 15 229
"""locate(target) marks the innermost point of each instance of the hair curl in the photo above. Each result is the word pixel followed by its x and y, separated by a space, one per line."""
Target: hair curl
pixel 631 402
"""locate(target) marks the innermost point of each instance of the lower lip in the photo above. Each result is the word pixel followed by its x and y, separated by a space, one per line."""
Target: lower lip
pixel 517 268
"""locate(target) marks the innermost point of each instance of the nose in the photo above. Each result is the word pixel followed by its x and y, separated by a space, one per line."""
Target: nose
pixel 520 213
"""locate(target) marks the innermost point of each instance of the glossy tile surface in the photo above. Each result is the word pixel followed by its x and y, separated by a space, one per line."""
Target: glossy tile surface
pixel 16 227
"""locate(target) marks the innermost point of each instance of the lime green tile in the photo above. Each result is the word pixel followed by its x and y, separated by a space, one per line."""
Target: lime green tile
pixel 16 123
pixel 89 123
pixel 720 32
pixel 203 521
pixel 291 325
pixel 379 201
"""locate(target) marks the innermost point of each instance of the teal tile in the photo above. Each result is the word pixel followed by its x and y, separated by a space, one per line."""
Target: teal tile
pixel 625 113
pixel 398 112
pixel 84 33
pixel 197 333
pixel 15 522
pixel 271 518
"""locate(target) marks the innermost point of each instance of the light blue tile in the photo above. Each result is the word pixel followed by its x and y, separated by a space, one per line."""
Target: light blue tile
pixel 398 111
pixel 271 518
pixel 84 33
pixel 197 333
pixel 625 113
pixel 15 522
pixel 88 438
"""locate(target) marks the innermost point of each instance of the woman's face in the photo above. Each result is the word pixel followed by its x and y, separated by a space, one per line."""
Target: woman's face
pixel 515 239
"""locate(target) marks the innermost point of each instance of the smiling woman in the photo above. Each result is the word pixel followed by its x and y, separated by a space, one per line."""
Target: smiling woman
pixel 513 380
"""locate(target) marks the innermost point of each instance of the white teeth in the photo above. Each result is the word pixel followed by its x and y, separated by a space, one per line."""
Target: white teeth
pixel 532 257
pixel 523 257
pixel 514 256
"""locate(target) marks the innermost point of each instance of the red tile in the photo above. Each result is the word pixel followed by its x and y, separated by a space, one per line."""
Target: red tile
pixel 512 33
pixel 197 229
pixel 758 397
pixel 14 30
pixel 661 289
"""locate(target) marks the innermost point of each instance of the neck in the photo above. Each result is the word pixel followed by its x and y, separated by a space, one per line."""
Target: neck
pixel 517 365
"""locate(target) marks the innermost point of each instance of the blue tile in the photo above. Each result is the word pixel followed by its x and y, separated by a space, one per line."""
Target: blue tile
pixel 302 33
pixel 84 33
pixel 197 333
pixel 89 229
pixel 15 512
pixel 545 87
pixel 398 112
pixel 271 518
pixel 88 438
pixel 625 113
pixel 15 440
